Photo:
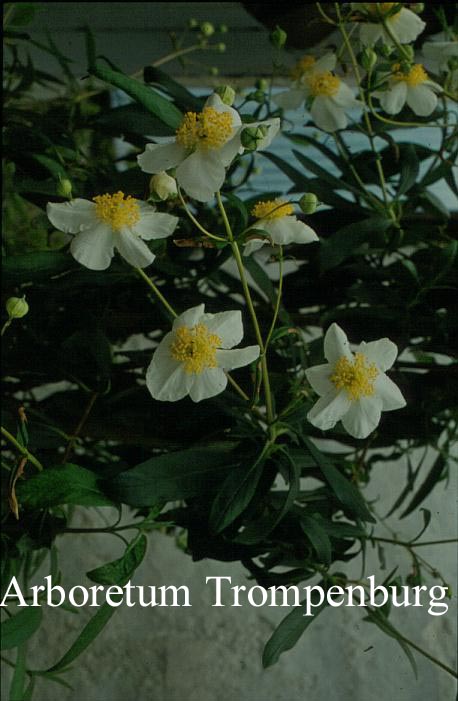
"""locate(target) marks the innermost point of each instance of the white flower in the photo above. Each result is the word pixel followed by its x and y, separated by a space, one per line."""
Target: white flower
pixel 206 143
pixel 404 25
pixel 275 218
pixel 193 357
pixel 163 185
pixel 306 67
pixel 353 388
pixel 440 52
pixel 414 88
pixel 109 222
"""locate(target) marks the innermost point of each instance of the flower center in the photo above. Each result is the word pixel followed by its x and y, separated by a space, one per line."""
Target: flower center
pixel 302 66
pixel 323 84
pixel 416 76
pixel 272 209
pixel 209 129
pixel 195 347
pixel 117 210
pixel 356 377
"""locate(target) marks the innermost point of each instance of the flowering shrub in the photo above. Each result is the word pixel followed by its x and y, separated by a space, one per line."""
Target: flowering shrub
pixel 206 259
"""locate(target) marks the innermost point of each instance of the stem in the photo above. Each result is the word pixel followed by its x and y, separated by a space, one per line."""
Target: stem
pixel 406 544
pixel 428 656
pixel 195 221
pixel 370 131
pixel 79 427
pixel 237 387
pixel 5 326
pixel 249 301
pixel 21 449
pixel 156 291
pixel 278 302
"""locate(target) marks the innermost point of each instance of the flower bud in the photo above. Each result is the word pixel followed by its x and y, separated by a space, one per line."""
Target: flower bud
pixel 64 188
pixel 207 29
pixel 308 203
pixel 192 23
pixel 368 59
pixel 252 137
pixel 163 185
pixel 258 96
pixel 16 307
pixel 278 37
pixel 223 29
pixel 226 93
pixel 386 50
pixel 221 47
pixel 262 84
pixel 405 67
pixel 417 7
pixel 214 70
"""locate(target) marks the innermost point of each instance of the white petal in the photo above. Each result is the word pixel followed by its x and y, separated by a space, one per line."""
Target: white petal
pixel 159 157
pixel 344 97
pixel 370 33
pixel 93 248
pixel 231 148
pixel 389 393
pixel 227 325
pixel 327 115
pixel 318 376
pixel 253 245
pixel 421 100
pixel 363 417
pixel 166 378
pixel 393 99
pixel 290 99
pixel 72 217
pixel 325 63
pixel 336 344
pixel 406 25
pixel 133 249
pixel 190 317
pixel 329 410
pixel 207 384
pixel 382 352
pixel 155 225
pixel 290 230
pixel 201 175
pixel 238 358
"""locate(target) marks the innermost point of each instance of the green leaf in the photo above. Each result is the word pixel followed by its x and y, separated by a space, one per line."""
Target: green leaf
pixel 410 168
pixel 289 631
pixel 317 536
pixel 237 491
pixel 434 476
pixel 381 621
pixel 346 241
pixel 146 96
pixel 180 94
pixel 31 267
pixel 54 167
pixel 64 484
pixel 90 631
pixel 324 175
pixel 346 493
pixel 20 627
pixel 121 570
pixel 173 476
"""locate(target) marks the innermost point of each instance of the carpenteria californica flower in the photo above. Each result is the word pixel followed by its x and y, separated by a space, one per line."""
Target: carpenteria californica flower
pixel 353 388
pixel 109 222
pixel 206 143
pixel 193 357
pixel 413 87
pixel 304 69
pixel 440 52
pixel 276 218
pixel 402 24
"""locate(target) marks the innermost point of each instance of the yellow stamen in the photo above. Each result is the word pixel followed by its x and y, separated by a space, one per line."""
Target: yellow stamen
pixel 302 66
pixel 323 84
pixel 209 129
pixel 117 210
pixel 416 76
pixel 272 209
pixel 195 347
pixel 356 377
